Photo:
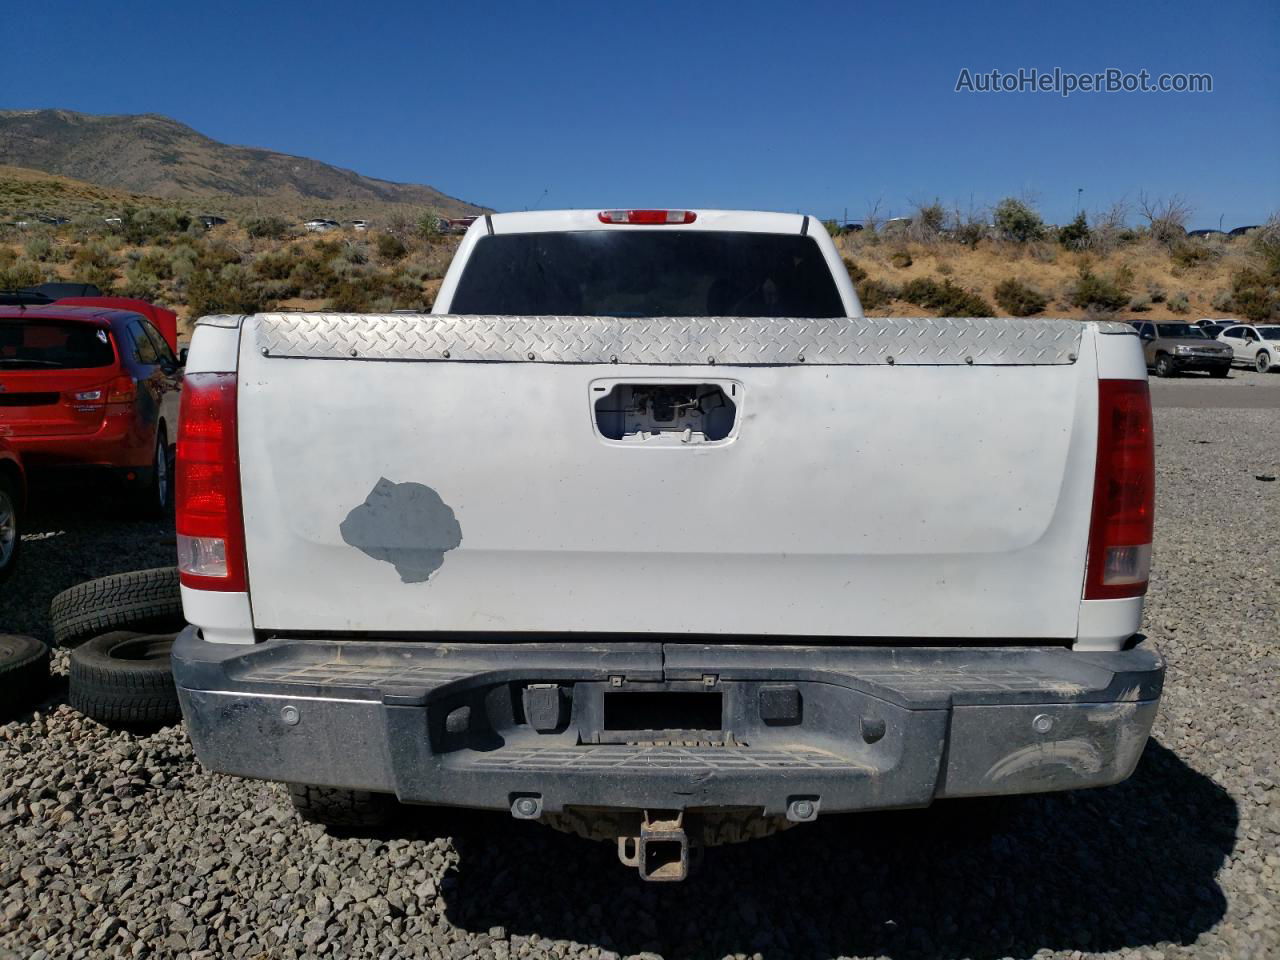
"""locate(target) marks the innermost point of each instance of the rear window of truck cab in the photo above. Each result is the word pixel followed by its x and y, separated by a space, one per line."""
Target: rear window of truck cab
pixel 640 273
pixel 54 345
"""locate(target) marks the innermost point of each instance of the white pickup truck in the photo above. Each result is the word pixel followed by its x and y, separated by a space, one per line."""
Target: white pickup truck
pixel 648 533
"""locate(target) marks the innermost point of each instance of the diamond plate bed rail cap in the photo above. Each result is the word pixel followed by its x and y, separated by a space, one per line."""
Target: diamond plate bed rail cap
pixel 726 341
pixel 231 320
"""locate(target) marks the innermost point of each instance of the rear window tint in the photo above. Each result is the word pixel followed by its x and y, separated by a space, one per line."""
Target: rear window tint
pixel 637 273
pixel 53 345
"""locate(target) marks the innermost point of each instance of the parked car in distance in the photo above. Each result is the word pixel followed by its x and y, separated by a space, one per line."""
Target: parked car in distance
pixel 454 224
pixel 1255 345
pixel 1245 231
pixel 89 388
pixel 320 225
pixel 1211 330
pixel 58 289
pixel 360 225
pixel 210 221
pixel 163 319
pixel 1170 348
pixel 13 502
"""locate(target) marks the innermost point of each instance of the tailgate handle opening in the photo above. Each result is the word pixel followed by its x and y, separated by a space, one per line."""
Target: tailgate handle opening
pixel 687 412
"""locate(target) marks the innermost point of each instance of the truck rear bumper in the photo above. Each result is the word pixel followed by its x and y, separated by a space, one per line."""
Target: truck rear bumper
pixel 789 730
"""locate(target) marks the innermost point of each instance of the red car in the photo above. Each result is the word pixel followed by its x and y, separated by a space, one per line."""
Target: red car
pixel 90 387
pixel 163 319
pixel 13 498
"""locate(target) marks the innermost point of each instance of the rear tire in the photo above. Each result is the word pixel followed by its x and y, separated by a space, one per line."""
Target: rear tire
pixel 10 526
pixel 1164 366
pixel 145 600
pixel 336 807
pixel 154 498
pixel 24 672
pixel 1262 362
pixel 123 679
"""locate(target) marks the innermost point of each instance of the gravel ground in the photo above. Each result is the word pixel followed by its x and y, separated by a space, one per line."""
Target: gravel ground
pixel 113 844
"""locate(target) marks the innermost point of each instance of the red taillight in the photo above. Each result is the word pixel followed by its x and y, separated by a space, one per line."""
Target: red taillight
pixel 1124 488
pixel 122 391
pixel 209 522
pixel 647 216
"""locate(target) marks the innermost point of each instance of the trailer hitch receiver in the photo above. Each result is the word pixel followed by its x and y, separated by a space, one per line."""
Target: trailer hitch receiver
pixel 661 852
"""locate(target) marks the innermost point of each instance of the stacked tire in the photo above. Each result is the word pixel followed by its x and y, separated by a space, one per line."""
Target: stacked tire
pixel 121 630
pixel 24 672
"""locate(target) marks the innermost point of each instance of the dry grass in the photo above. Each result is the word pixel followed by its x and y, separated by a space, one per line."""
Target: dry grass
pixel 1052 270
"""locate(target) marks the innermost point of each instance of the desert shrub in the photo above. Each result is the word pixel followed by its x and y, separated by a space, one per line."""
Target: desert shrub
pixel 930 217
pixel 1264 243
pixel 1192 253
pixel 1017 221
pixel 1166 219
pixel 229 289
pixel 946 299
pixel 1140 303
pixel 265 228
pixel 856 273
pixel 1155 292
pixel 354 253
pixel 833 228
pixel 352 295
pixel 7 257
pixel 1101 294
pixel 428 227
pixel 311 278
pixel 1222 301
pixel 20 273
pixel 1256 293
pixel 872 294
pixel 390 248
pixel 1018 299
pixel 143 225
pixel 921 290
pixel 182 261
pixel 970 231
pixel 44 249
pixel 900 259
pixel 1076 235
pixel 276 264
pixel 95 263
pixel 141 283
pixel 1042 251
pixel 945 268
pixel 1179 303
pixel 158 263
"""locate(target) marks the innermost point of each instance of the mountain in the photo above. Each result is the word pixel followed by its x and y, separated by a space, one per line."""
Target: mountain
pixel 158 156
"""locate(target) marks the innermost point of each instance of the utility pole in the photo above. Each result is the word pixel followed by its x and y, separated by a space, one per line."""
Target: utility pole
pixel 1079 194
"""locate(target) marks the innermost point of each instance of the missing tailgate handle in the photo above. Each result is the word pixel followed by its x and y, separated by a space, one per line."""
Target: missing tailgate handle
pixel 666 413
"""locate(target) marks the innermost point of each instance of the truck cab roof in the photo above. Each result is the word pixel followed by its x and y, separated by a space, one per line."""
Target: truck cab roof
pixel 549 221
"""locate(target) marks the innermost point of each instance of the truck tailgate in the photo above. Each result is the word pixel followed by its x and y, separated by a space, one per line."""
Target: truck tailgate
pixel 389 487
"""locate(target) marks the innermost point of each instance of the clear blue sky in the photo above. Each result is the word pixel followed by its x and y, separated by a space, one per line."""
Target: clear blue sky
pixel 774 105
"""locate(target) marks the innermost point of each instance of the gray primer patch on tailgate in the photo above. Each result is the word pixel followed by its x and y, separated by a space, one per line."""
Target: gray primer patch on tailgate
pixel 405 524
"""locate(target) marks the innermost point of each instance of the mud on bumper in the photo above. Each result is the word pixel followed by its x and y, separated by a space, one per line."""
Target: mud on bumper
pixel 787 730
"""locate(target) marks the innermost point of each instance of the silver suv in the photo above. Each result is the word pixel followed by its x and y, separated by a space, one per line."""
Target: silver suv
pixel 1170 348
